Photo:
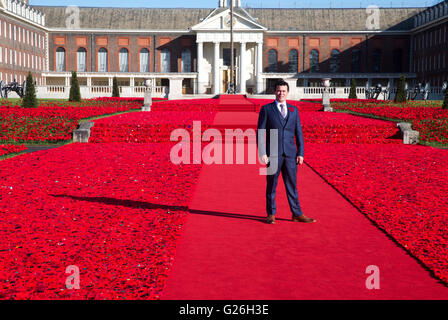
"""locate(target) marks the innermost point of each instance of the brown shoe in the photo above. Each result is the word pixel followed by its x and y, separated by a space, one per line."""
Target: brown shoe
pixel 270 219
pixel 303 218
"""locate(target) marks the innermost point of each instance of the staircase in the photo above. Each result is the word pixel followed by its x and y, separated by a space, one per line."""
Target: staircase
pixel 235 103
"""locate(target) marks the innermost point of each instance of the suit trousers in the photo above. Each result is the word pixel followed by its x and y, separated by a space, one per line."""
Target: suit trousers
pixel 287 166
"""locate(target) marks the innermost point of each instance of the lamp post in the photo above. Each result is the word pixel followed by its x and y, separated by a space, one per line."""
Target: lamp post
pixel 232 65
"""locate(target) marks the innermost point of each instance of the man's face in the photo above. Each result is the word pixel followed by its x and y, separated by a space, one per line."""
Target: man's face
pixel 281 92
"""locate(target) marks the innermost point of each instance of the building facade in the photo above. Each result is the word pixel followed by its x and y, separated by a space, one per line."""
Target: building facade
pixel 187 51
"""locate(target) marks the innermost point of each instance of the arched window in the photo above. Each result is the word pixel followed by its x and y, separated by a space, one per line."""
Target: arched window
pixel 314 60
pixel 165 57
pixel 377 60
pixel 81 60
pixel 186 60
pixel 60 59
pixel 356 60
pixel 335 61
pixel 102 60
pixel 123 60
pixel 398 60
pixel 293 62
pixel 272 61
pixel 144 60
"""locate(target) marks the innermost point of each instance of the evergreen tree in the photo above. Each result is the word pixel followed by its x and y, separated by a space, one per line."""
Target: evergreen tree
pixel 115 90
pixel 75 93
pixel 352 94
pixel 401 92
pixel 445 101
pixel 30 100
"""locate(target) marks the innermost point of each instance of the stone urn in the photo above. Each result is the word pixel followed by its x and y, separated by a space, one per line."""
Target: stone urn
pixel 326 94
pixel 148 95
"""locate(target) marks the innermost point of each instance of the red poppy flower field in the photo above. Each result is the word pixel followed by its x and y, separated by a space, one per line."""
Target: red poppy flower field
pixel 330 127
pixel 402 188
pixel 427 117
pixel 54 121
pixel 10 148
pixel 115 208
pixel 144 127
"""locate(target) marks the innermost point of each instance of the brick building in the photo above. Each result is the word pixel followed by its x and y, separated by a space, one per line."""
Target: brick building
pixel 188 50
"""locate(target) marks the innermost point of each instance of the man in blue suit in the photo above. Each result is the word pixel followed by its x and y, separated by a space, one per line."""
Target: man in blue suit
pixel 283 153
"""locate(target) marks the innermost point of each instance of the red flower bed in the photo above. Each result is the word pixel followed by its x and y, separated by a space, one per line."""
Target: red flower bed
pixel 115 211
pixel 53 121
pixel 412 110
pixel 195 105
pixel 402 188
pixel 144 127
pixel 301 105
pixel 329 127
pixel 432 130
pixel 10 148
pixel 404 113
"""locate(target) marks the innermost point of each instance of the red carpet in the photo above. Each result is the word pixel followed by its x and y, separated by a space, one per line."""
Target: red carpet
pixel 235 102
pixel 228 252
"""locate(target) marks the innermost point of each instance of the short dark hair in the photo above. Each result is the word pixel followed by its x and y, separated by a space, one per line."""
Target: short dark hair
pixel 281 82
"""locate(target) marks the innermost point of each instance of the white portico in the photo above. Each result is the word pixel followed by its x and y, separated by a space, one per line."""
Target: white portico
pixel 214 56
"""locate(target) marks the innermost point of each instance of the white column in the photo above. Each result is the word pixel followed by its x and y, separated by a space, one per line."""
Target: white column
pixel 243 68
pixel 259 67
pixel 200 67
pixel 216 69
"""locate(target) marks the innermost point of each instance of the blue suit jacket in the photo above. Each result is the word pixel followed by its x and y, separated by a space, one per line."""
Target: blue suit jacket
pixel 288 129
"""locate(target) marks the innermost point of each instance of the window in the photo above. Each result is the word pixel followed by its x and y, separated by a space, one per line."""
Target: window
pixel 377 60
pixel 60 59
pixel 81 60
pixel 144 60
pixel 272 61
pixel 102 60
pixel 335 61
pixel 165 57
pixel 186 60
pixel 314 60
pixel 123 60
pixel 226 56
pixel 293 61
pixel 356 60
pixel 398 60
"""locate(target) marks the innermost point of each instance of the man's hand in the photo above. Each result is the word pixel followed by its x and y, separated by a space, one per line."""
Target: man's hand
pixel 299 160
pixel 265 159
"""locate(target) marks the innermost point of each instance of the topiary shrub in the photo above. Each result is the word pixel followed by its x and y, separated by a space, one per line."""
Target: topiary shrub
pixel 29 100
pixel 352 94
pixel 401 92
pixel 75 92
pixel 115 90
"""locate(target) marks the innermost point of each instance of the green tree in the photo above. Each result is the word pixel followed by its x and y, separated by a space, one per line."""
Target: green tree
pixel 352 94
pixel 445 101
pixel 75 93
pixel 29 100
pixel 115 90
pixel 401 91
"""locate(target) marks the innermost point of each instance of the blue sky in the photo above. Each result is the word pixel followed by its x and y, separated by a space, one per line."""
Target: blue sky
pixel 245 3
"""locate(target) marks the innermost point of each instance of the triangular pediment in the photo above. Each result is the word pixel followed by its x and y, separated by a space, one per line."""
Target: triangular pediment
pixel 220 20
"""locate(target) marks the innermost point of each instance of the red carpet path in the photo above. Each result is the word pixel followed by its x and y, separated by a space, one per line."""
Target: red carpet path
pixel 226 250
